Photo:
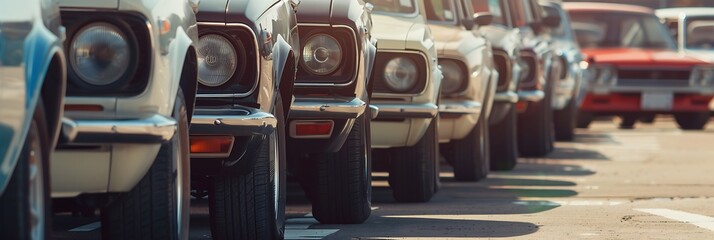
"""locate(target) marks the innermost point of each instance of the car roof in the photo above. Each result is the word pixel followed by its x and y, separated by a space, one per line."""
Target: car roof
pixel 606 7
pixel 688 11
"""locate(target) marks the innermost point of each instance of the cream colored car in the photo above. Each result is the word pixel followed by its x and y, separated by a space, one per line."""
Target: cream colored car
pixel 468 87
pixel 406 81
pixel 131 88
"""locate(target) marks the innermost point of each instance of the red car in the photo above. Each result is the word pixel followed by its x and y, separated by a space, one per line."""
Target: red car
pixel 635 69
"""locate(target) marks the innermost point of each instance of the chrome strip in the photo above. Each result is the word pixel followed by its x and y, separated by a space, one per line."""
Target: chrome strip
pixel 153 129
pixel 256 81
pixel 428 75
pixel 464 107
pixel 426 110
pixel 357 48
pixel 327 108
pixel 221 121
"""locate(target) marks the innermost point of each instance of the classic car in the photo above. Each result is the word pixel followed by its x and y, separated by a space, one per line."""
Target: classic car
pixel 693 29
pixel 32 88
pixel 506 47
pixel 407 83
pixel 132 76
pixel 568 86
pixel 329 123
pixel 468 86
pixel 636 68
pixel 247 56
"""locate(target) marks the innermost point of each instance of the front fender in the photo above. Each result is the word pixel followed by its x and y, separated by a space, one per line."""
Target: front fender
pixel 178 50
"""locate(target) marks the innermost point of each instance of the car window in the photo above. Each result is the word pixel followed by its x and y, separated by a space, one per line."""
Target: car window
pixel 440 10
pixel 558 32
pixel 673 27
pixel 394 6
pixel 495 7
pixel 520 16
pixel 597 30
pixel 700 34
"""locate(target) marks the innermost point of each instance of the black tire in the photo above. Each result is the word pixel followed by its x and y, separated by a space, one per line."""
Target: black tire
pixel 246 206
pixel 564 121
pixel 692 121
pixel 470 156
pixel 648 118
pixel 340 183
pixel 158 206
pixel 583 119
pixel 25 190
pixel 628 122
pixel 535 128
pixel 504 143
pixel 413 170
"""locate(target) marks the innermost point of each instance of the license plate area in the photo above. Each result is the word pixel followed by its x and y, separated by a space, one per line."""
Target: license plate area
pixel 657 101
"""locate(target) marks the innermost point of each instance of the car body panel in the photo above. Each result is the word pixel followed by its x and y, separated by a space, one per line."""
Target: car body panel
pixel 30 36
pixel 127 162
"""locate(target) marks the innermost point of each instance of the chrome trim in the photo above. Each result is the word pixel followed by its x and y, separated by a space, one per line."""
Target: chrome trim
pixel 237 122
pixel 357 50
pixel 327 108
pixel 425 110
pixel 428 79
pixel 153 129
pixel 69 130
pixel 256 81
pixel 531 95
pixel 294 135
pixel 374 110
pixel 508 96
pixel 461 107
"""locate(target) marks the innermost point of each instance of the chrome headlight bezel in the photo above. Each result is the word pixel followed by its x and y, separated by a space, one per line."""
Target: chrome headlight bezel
pixel 602 74
pixel 702 76
pixel 231 53
pixel 125 47
pixel 455 76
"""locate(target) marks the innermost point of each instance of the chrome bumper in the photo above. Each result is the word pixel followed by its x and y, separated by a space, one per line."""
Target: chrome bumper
pixel 506 97
pixel 154 129
pixel 327 108
pixel 459 108
pixel 531 95
pixel 235 122
pixel 407 110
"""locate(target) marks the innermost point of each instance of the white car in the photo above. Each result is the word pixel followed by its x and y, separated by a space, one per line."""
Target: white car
pixel 132 80
pixel 407 82
pixel 693 28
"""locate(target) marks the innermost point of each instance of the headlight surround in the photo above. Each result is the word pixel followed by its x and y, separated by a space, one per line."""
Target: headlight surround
pixel 322 54
pixel 454 76
pixel 101 54
pixel 702 76
pixel 401 74
pixel 217 60
pixel 603 74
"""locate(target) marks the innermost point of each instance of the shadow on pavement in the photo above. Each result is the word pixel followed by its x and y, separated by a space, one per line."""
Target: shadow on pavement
pixel 569 153
pixel 531 167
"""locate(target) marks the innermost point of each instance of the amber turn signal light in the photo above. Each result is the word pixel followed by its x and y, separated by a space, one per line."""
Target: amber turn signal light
pixel 311 129
pixel 211 146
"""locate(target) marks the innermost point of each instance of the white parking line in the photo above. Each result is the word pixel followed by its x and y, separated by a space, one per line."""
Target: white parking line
pixel 87 228
pixel 299 228
pixel 701 221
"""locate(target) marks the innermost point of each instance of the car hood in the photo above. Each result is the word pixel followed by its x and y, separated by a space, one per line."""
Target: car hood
pixel 113 4
pixel 393 32
pixel 640 57
pixel 704 55
pixel 447 36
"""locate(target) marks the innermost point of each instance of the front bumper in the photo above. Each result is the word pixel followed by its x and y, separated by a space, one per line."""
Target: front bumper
pixel 153 129
pixel 341 112
pixel 452 109
pixel 457 119
pixel 619 103
pixel 401 124
pixel 406 110
pixel 506 97
pixel 531 95
pixel 241 122
pixel 327 108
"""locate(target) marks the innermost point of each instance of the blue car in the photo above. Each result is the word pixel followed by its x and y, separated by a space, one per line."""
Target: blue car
pixel 32 88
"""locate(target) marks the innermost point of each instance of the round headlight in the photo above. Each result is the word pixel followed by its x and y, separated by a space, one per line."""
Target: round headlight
pixel 401 74
pixel 525 70
pixel 603 75
pixel 453 77
pixel 217 60
pixel 322 54
pixel 100 54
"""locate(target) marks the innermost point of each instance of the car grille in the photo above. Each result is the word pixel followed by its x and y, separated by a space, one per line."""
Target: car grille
pixel 653 78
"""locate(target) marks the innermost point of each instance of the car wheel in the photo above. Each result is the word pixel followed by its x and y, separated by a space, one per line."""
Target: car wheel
pixel 564 121
pixel 504 143
pixel 470 156
pixel 692 121
pixel 340 183
pixel 648 118
pixel 628 122
pixel 583 119
pixel 158 206
pixel 25 203
pixel 413 170
pixel 535 129
pixel 252 205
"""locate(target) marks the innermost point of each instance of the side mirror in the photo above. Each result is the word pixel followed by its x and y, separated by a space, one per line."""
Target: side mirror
pixel 552 21
pixel 295 4
pixel 194 5
pixel 483 18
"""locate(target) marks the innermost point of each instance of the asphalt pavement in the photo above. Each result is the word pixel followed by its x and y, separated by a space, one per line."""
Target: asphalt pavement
pixel 653 182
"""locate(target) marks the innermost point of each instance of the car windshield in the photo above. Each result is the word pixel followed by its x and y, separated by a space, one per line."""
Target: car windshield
pixel 561 30
pixel 491 6
pixel 394 6
pixel 440 10
pixel 631 30
pixel 700 33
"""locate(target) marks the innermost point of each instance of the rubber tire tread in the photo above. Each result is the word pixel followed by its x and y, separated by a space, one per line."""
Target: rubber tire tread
pixel 535 129
pixel 413 170
pixel 240 206
pixel 692 121
pixel 564 121
pixel 14 201
pixel 470 156
pixel 147 211
pixel 504 143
